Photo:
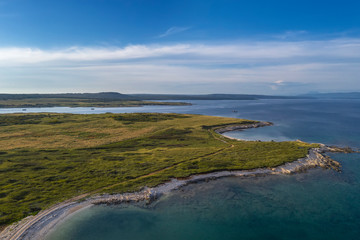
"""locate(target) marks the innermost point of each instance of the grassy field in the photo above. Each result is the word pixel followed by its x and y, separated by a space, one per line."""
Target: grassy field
pixel 77 102
pixel 47 158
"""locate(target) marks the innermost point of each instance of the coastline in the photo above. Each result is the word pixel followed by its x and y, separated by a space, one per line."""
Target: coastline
pixel 113 104
pixel 40 225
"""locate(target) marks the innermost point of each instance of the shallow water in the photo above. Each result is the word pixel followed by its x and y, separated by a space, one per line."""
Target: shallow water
pixel 319 204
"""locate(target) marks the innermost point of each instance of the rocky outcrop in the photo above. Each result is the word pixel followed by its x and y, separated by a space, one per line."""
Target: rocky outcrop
pixel 147 194
pixel 315 158
pixel 242 127
pixel 340 149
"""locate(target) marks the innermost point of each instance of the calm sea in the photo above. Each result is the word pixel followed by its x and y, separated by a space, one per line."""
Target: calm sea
pixel 318 204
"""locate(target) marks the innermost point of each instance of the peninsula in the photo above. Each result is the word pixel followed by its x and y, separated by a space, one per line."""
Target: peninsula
pixel 47 159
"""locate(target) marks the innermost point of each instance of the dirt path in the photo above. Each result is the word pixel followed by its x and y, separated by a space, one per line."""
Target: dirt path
pixel 169 167
pixel 19 232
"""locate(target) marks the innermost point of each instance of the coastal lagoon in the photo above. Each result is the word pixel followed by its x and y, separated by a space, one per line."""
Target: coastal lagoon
pixel 318 204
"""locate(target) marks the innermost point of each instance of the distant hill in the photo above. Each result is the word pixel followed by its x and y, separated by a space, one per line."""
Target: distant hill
pixel 348 95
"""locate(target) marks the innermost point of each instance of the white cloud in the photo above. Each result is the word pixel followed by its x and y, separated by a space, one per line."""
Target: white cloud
pixel 281 67
pixel 226 53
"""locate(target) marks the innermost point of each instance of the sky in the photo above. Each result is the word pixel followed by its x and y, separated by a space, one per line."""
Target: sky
pixel 185 47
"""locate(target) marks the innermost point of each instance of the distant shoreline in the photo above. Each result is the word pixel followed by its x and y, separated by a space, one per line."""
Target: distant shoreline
pixel 115 99
pixel 74 103
pixel 40 225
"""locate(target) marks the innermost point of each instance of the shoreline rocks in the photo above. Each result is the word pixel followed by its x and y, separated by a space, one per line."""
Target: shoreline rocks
pixel 315 158
pixel 43 225
pixel 242 127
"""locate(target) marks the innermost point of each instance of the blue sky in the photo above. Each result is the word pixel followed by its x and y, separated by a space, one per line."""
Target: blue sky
pixel 212 46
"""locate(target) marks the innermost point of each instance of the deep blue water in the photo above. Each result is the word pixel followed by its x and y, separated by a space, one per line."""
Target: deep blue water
pixel 318 204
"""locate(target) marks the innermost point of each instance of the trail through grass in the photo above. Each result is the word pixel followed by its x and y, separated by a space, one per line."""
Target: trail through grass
pixel 48 158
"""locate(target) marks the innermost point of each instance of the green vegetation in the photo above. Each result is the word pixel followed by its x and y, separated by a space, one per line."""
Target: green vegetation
pixel 69 102
pixel 114 99
pixel 47 158
pixel 103 99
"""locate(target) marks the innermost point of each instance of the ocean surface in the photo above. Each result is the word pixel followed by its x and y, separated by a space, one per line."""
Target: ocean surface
pixel 318 204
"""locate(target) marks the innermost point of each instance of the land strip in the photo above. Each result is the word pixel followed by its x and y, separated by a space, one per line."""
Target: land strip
pixel 43 223
pixel 118 153
pixel 91 103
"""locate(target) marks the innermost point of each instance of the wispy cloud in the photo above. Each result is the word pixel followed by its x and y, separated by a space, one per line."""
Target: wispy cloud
pixel 172 31
pixel 277 66
pixel 235 53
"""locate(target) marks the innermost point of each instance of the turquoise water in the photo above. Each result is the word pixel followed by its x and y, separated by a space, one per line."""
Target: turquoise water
pixel 318 204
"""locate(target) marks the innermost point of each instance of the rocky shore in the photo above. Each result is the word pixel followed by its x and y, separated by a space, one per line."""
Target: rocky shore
pixel 230 128
pixel 37 227
pixel 315 158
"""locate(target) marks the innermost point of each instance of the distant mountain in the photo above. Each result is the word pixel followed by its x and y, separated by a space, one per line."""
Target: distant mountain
pixel 348 95
pixel 209 97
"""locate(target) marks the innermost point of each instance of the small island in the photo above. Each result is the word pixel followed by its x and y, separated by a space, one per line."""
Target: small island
pixel 50 161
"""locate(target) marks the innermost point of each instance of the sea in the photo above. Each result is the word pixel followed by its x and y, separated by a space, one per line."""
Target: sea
pixel 317 204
